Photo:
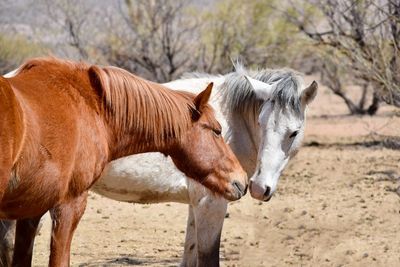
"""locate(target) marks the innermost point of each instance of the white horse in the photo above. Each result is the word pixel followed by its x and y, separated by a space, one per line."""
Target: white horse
pixel 263 117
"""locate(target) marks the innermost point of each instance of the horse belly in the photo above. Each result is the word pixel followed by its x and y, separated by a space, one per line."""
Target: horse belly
pixel 143 178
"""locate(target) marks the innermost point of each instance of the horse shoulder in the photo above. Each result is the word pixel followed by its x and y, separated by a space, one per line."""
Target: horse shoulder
pixel 12 122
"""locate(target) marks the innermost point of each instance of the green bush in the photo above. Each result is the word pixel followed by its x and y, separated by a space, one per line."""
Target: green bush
pixel 14 50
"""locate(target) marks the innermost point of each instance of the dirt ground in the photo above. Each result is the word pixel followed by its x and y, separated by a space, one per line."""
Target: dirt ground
pixel 337 204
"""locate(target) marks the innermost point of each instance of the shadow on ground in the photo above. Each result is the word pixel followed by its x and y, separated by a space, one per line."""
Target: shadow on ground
pixel 129 261
pixel 390 142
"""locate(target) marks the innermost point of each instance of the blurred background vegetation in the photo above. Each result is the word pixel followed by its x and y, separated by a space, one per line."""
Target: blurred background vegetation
pixel 345 42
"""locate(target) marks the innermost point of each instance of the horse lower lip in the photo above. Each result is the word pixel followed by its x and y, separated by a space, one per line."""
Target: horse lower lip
pixel 267 199
pixel 232 196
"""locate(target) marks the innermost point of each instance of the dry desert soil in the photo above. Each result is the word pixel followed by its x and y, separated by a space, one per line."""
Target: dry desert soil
pixel 337 204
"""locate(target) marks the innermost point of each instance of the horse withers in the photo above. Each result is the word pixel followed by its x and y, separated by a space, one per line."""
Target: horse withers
pixel 63 121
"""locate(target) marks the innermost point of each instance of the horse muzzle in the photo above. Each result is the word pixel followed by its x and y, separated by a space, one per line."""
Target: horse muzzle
pixel 238 186
pixel 260 192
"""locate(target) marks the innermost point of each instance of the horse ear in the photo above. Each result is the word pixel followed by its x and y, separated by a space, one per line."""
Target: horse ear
pixel 308 94
pixel 201 99
pixel 263 90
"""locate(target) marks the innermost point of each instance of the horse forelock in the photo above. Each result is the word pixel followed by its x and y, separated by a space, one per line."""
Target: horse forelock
pixel 288 90
pixel 149 109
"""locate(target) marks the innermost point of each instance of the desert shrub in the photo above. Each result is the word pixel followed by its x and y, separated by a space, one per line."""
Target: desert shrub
pixel 14 50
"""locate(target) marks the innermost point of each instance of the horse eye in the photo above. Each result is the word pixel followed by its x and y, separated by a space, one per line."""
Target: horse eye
pixel 217 132
pixel 294 134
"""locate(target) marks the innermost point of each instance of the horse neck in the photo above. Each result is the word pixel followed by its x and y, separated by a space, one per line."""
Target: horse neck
pixel 133 139
pixel 242 137
pixel 129 144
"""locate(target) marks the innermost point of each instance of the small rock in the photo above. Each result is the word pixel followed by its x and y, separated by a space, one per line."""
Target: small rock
pixel 287 209
pixel 289 237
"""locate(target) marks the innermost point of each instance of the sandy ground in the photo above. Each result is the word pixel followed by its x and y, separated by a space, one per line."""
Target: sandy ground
pixel 338 204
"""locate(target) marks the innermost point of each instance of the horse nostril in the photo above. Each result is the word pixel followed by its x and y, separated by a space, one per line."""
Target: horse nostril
pixel 267 191
pixel 239 187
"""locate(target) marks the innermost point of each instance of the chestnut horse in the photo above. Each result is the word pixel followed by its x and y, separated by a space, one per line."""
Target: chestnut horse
pixel 62 122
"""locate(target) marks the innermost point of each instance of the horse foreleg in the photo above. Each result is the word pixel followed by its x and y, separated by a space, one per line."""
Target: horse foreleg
pixel 209 217
pixel 190 250
pixel 65 217
pixel 7 232
pixel 24 239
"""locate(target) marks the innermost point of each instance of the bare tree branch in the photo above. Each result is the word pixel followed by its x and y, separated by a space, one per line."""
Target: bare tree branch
pixel 156 38
pixel 366 34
